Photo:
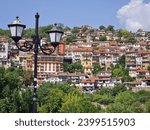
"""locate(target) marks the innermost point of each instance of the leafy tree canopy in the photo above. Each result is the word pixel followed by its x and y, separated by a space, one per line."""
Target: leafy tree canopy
pixel 110 28
pixel 96 68
pixel 102 38
pixel 75 30
pixel 74 67
pixel 102 27
pixel 123 33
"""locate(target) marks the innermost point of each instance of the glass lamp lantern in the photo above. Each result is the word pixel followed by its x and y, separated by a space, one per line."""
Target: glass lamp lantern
pixel 55 35
pixel 16 29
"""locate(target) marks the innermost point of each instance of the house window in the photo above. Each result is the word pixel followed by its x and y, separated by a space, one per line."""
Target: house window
pixel 42 68
pixel 54 67
pixel 45 67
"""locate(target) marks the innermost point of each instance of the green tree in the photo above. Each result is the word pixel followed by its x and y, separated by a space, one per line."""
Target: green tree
pixel 103 91
pixel 2 72
pixel 6 92
pixel 12 80
pixel 27 78
pixel 123 33
pixel 25 100
pixel 4 32
pixel 2 78
pixel 143 96
pixel 122 61
pixel 75 30
pixel 148 106
pixel 29 33
pixel 119 88
pixel 52 102
pixel 12 97
pixel 66 88
pixel 136 107
pixel 51 96
pixel 96 68
pixel 76 103
pixel 128 78
pixel 66 66
pixel 102 38
pixel 110 28
pixel 102 27
pixel 70 39
pixel 74 67
pixel 116 108
pixel 131 40
pixel 122 102
pixel 16 100
pixel 126 98
pixel 4 105
pixel 119 71
pixel 106 99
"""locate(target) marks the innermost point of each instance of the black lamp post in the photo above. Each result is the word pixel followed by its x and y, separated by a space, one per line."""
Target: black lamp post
pixel 17 28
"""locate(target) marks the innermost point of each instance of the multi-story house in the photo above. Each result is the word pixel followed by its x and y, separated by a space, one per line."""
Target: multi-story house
pixel 95 56
pixel 23 56
pixel 145 54
pixel 46 65
pixel 104 43
pixel 87 85
pixel 140 35
pixel 101 32
pixel 92 83
pixel 137 59
pixel 109 36
pixel 108 56
pixel 86 61
pixel 142 73
pixel 107 82
pixel 83 54
pixel 130 58
pixel 4 59
pixel 73 78
pixel 138 85
pixel 67 33
pixel 143 45
pixel 84 44
pixel 77 53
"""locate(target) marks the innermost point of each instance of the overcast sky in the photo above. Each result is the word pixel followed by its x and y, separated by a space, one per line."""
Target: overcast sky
pixel 126 14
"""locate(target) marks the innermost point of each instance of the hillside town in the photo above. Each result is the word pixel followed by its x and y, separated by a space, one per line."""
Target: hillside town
pixel 98 51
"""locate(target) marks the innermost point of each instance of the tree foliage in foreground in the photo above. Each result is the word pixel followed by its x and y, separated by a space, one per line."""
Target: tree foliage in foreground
pixel 14 96
pixel 65 98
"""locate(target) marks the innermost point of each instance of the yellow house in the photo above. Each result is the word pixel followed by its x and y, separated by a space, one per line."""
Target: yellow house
pixel 86 61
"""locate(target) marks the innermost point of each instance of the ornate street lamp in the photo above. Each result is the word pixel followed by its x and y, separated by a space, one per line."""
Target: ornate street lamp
pixel 17 28
pixel 55 35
